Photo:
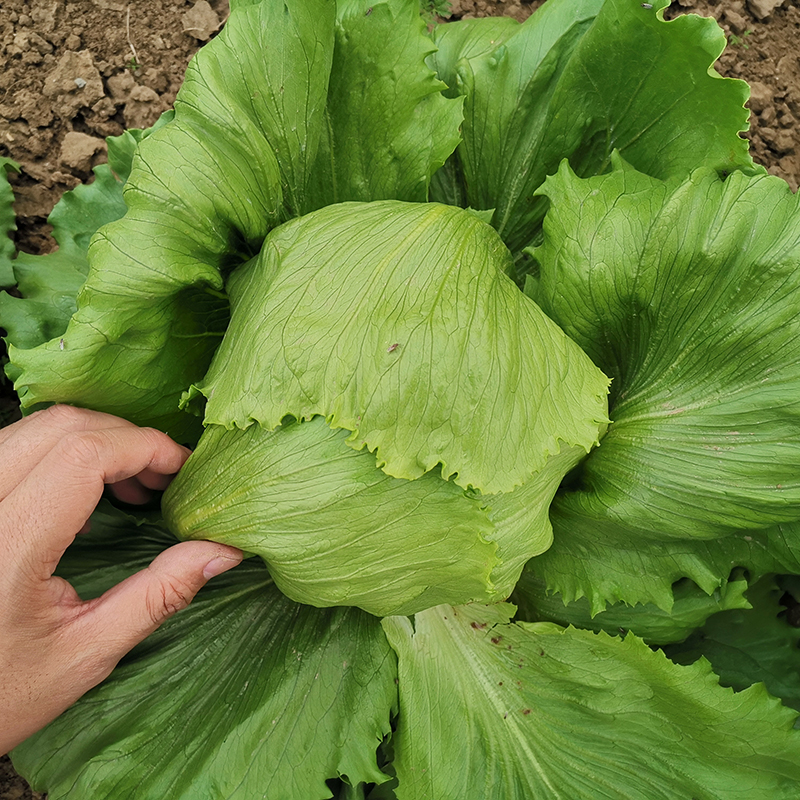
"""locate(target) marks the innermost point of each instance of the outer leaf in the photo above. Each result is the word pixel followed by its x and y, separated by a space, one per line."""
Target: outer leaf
pixel 334 529
pixel 388 126
pixel 580 79
pixel 690 609
pixel 121 149
pixel 491 709
pixel 396 322
pixel 50 283
pixel 244 694
pixel 204 191
pixel 615 562
pixel 467 39
pixel 7 221
pixel 687 297
pixel 749 646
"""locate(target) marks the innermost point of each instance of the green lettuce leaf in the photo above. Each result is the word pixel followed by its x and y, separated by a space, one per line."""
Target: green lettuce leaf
pixel 387 126
pixel 691 607
pixel 492 709
pixel 243 694
pixel 758 645
pixel 122 148
pixel 617 562
pixel 199 202
pixel 50 283
pixel 578 80
pixel 467 39
pixel 398 323
pixel 465 407
pixel 686 296
pixel 7 222
pixel 334 529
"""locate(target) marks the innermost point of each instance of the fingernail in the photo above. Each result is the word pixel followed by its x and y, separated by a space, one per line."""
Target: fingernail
pixel 219 565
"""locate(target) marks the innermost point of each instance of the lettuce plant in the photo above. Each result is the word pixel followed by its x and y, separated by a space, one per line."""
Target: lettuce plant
pixel 341 272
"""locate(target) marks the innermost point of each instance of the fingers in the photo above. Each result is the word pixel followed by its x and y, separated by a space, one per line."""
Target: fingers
pixel 66 653
pixel 26 442
pixel 132 490
pixel 132 610
pixel 140 488
pixel 54 500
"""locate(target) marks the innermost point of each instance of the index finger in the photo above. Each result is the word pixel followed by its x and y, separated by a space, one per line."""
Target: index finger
pixel 54 501
pixel 26 442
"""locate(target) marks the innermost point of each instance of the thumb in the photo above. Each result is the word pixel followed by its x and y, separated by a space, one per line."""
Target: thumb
pixel 134 608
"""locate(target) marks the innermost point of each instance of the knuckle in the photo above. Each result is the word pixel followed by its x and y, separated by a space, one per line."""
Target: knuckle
pixel 63 417
pixel 154 437
pixel 80 449
pixel 168 596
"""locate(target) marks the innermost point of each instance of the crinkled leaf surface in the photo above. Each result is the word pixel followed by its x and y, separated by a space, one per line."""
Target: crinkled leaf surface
pixel 7 221
pixel 50 283
pixel 397 322
pixel 492 709
pixel 263 130
pixel 691 607
pixel 332 527
pixel 244 694
pixel 749 646
pixel 388 127
pixel 578 80
pixel 335 530
pixel 687 297
pixel 616 562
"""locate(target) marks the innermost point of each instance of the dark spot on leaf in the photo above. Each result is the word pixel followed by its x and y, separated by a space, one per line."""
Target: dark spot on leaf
pixel 526 711
pixel 479 626
pixel 497 639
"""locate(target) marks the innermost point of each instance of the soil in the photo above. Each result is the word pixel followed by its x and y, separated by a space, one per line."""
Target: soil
pixel 72 73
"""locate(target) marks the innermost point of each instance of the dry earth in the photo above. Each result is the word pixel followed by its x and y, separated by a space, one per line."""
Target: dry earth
pixel 72 73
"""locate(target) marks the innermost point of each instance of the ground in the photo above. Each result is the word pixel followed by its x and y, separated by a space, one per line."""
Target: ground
pixel 72 73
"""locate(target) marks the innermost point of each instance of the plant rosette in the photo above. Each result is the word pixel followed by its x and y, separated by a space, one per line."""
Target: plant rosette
pixel 313 272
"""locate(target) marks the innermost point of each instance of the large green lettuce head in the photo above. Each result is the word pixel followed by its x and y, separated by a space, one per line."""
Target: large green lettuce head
pixel 388 416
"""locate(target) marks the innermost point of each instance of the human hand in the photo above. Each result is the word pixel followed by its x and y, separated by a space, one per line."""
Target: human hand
pixel 54 647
